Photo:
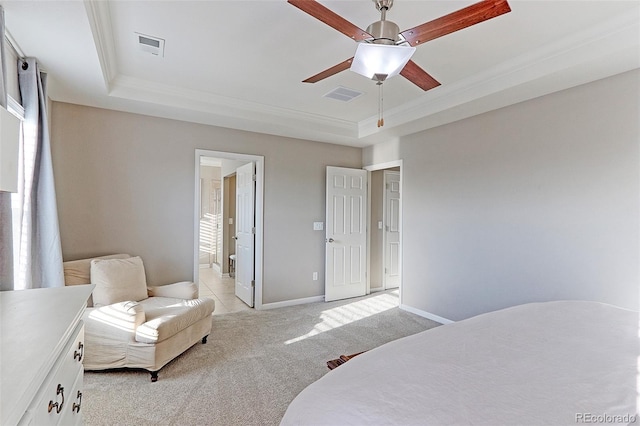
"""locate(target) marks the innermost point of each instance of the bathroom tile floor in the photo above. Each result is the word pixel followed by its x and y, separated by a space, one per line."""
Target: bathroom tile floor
pixel 222 290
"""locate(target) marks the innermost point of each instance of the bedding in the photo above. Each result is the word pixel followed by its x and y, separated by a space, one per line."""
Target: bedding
pixel 552 363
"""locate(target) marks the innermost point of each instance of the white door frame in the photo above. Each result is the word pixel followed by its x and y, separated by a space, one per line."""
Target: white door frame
pixel 373 168
pixel 259 212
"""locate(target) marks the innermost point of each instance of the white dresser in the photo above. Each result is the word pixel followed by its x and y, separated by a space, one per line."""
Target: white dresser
pixel 41 350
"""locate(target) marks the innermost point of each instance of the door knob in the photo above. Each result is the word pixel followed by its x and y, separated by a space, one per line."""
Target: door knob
pixel 330 240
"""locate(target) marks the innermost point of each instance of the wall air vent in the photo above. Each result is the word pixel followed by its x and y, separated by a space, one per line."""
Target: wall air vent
pixel 150 44
pixel 343 94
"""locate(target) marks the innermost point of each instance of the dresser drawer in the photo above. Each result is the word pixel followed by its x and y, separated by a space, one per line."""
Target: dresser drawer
pixel 55 399
pixel 72 413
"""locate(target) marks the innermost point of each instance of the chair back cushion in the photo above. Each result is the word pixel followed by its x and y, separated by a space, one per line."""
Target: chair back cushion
pixel 118 280
pixel 78 272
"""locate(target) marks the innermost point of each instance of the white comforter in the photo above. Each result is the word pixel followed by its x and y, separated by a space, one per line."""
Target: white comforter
pixel 554 363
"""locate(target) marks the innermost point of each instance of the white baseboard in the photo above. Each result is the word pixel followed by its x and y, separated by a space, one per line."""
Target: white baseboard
pixel 425 314
pixel 294 302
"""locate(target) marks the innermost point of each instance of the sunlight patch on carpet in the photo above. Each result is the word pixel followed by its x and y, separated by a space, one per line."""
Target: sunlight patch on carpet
pixel 349 313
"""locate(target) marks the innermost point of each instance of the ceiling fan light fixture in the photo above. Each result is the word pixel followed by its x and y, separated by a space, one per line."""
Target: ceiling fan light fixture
pixel 380 59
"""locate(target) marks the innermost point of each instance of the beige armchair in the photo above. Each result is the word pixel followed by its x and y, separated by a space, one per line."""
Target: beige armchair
pixel 130 325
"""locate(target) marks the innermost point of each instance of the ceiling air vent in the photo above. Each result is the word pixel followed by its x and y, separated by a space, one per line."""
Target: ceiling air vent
pixel 343 94
pixel 150 44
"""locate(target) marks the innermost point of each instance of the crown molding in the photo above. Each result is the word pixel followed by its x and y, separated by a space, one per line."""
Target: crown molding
pixel 100 23
pixel 13 44
pixel 132 88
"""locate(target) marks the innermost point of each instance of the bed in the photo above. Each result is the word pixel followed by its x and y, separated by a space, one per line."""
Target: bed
pixel 552 363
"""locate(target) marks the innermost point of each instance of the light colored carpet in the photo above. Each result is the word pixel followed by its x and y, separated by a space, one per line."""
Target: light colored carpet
pixel 252 366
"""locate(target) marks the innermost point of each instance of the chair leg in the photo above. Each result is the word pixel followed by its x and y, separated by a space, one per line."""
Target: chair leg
pixel 154 376
pixel 204 339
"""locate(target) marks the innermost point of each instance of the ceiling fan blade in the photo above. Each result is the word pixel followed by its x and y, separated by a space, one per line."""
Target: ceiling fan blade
pixel 418 76
pixel 332 19
pixel 329 72
pixel 463 18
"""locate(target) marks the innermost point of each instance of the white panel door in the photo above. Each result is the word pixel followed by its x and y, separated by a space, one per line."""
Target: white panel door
pixel 346 233
pixel 245 232
pixel 391 217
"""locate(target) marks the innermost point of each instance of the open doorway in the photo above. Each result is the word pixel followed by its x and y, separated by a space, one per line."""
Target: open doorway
pixel 211 228
pixel 217 225
pixel 385 229
pixel 385 226
pixel 363 221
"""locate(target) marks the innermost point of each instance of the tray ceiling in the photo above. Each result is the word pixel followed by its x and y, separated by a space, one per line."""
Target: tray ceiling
pixel 240 64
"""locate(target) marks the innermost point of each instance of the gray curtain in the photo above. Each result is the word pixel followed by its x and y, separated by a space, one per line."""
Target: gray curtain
pixel 39 249
pixel 6 233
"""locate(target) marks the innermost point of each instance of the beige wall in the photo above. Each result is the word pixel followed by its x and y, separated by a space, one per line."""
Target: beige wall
pixel 125 183
pixel 533 202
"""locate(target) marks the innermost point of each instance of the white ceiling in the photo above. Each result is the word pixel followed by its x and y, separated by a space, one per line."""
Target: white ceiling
pixel 240 64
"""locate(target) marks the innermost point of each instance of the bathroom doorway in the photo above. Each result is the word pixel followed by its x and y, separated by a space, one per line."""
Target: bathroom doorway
pixel 217 265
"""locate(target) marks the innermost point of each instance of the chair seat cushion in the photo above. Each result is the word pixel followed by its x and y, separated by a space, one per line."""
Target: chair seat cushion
pixel 168 316
pixel 181 290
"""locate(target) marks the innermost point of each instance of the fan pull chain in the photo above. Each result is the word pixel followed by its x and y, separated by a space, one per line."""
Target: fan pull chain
pixel 380 105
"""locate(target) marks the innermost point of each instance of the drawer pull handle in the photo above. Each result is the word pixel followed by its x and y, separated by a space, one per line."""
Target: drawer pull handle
pixel 55 405
pixel 76 407
pixel 80 352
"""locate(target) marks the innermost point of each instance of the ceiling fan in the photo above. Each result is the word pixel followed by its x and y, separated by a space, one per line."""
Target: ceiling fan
pixel 387 33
